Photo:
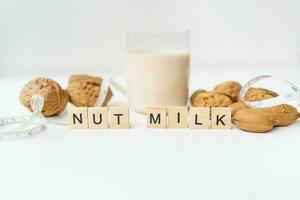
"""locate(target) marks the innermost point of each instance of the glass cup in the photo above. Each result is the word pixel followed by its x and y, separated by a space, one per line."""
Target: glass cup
pixel 157 69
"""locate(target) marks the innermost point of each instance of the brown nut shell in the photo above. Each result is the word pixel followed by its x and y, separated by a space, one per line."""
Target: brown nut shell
pixel 258 94
pixel 84 90
pixel 195 93
pixel 211 99
pixel 254 120
pixel 284 114
pixel 55 98
pixel 235 107
pixel 230 88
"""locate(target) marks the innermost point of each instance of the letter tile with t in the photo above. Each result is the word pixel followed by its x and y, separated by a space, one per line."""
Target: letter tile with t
pixel 97 117
pixel 177 117
pixel 78 117
pixel 221 117
pixel 119 117
pixel 199 117
pixel 156 117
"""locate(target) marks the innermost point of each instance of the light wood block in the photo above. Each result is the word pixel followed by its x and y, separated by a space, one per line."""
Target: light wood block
pixel 97 117
pixel 119 117
pixel 78 118
pixel 177 117
pixel 156 117
pixel 199 117
pixel 221 117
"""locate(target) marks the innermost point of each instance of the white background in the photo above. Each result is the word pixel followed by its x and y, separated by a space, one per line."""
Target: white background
pixel 60 36
pixel 57 38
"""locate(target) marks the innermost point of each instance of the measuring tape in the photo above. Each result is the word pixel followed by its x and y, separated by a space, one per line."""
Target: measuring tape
pixel 33 124
pixel 29 125
pixel 293 95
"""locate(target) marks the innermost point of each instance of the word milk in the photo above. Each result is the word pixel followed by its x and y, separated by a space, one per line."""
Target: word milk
pixel 157 117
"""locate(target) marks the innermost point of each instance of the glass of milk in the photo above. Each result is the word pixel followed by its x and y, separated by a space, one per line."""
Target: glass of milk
pixel 157 69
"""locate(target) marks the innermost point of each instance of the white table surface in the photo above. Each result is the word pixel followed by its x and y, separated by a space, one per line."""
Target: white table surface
pixel 141 163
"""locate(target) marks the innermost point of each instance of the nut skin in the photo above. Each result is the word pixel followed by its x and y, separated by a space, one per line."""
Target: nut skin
pixel 235 107
pixel 284 114
pixel 254 120
pixel 84 90
pixel 55 98
pixel 230 88
pixel 211 99
pixel 258 94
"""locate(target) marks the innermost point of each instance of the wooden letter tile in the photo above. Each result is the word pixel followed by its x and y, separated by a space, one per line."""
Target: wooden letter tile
pixel 97 117
pixel 199 117
pixel 221 117
pixel 177 117
pixel 77 118
pixel 156 117
pixel 119 117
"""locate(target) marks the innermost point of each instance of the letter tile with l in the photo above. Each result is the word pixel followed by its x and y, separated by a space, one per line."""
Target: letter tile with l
pixel 199 117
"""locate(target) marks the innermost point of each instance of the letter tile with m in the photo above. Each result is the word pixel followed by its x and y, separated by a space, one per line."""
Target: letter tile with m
pixel 156 117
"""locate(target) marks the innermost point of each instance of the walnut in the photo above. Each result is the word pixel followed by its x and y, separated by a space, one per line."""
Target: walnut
pixel 230 88
pixel 195 94
pixel 84 90
pixel 211 99
pixel 55 98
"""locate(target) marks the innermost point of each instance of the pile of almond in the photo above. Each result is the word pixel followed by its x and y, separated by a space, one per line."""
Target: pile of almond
pixel 248 119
